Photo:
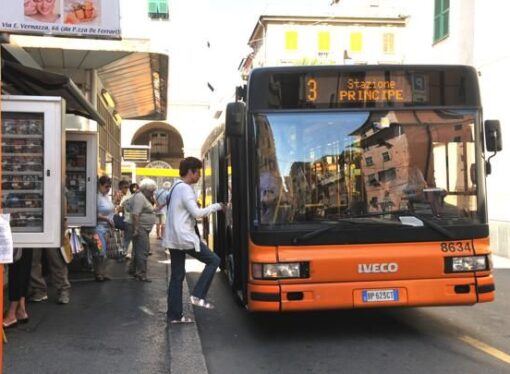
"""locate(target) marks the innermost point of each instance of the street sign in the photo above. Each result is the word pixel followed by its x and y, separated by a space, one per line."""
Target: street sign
pixel 134 154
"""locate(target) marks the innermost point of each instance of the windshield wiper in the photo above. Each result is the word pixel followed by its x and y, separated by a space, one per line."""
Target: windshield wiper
pixel 336 223
pixel 402 213
pixel 352 220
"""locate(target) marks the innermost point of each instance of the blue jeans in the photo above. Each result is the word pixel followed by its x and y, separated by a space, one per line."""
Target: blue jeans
pixel 178 272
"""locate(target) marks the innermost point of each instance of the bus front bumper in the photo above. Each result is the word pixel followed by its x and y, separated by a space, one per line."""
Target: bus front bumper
pixel 321 296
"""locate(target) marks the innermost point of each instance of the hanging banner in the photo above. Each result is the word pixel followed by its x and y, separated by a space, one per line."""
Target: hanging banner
pixel 75 18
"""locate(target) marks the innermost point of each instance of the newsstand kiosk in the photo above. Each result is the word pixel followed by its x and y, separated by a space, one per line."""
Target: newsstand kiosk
pixel 32 177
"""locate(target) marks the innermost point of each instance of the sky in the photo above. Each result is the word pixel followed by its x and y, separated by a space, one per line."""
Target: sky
pixel 233 23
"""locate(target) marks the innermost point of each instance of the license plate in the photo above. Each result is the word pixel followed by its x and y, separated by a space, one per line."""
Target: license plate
pixel 371 296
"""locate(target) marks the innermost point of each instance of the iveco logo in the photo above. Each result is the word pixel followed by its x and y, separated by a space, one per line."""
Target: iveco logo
pixel 390 267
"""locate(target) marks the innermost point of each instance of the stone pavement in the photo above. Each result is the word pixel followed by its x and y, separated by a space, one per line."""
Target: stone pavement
pixel 117 326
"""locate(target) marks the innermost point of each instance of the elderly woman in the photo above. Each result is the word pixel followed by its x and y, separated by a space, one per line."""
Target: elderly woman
pixel 160 198
pixel 142 220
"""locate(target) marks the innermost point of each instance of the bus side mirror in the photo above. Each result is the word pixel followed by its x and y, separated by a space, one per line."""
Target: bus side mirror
pixel 235 121
pixel 493 139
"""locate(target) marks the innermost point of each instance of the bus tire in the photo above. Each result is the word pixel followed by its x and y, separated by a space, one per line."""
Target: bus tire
pixel 231 272
pixel 234 282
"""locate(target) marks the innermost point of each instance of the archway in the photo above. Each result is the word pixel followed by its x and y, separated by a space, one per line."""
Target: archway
pixel 165 142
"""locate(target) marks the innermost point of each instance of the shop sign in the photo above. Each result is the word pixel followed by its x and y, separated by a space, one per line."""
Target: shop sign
pixel 75 18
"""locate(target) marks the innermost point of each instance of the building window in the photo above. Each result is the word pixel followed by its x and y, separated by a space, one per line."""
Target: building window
pixel 323 41
pixel 159 143
pixel 158 9
pixel 291 40
pixel 386 156
pixel 356 42
pixel 387 175
pixel 369 161
pixel 372 179
pixel 441 19
pixel 388 43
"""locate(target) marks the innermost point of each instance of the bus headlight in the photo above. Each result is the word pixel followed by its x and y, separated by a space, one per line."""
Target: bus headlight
pixel 466 263
pixel 284 270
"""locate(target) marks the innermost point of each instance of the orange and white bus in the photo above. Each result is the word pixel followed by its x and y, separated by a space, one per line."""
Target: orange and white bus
pixel 353 187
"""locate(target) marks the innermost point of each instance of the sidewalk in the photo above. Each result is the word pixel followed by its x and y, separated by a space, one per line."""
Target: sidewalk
pixel 116 326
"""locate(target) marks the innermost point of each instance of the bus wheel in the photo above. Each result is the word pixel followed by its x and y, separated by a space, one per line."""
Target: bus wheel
pixel 231 271
pixel 234 282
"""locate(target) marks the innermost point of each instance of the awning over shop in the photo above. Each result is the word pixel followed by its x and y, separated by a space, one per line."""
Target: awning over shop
pixel 135 77
pixel 138 85
pixel 35 82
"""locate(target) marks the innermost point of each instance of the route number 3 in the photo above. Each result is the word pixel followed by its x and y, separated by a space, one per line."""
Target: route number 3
pixel 456 247
pixel 312 90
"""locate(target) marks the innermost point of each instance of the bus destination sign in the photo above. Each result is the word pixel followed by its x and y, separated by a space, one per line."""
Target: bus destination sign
pixel 357 90
pixel 391 87
pixel 343 89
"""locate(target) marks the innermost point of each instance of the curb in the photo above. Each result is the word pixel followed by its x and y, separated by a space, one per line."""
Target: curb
pixel 186 355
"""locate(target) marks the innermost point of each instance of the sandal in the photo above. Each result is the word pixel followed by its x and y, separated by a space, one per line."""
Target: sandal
pixel 24 319
pixel 201 302
pixel 182 320
pixel 8 325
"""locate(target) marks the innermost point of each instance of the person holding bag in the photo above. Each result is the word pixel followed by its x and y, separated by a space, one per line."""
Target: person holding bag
pixel 142 220
pixel 181 239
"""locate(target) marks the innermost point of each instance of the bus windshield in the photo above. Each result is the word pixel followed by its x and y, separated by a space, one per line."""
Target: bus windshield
pixel 318 166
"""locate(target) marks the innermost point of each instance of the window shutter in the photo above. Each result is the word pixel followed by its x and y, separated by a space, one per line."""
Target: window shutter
pixel 323 40
pixel 153 7
pixel 158 9
pixel 356 42
pixel 388 43
pixel 163 7
pixel 291 40
pixel 446 20
pixel 441 19
pixel 437 19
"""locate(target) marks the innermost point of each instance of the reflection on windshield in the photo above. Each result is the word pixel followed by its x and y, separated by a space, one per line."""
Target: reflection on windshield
pixel 316 166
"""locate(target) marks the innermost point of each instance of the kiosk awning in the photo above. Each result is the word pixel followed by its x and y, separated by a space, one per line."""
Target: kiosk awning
pixel 35 82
